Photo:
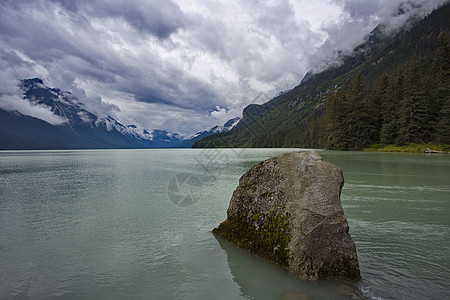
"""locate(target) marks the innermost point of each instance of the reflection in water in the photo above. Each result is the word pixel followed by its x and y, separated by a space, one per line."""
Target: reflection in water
pixel 254 275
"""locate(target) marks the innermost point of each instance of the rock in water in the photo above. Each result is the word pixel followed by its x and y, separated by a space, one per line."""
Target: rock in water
pixel 288 209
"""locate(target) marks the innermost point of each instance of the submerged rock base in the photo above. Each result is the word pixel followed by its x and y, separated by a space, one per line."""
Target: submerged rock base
pixel 288 209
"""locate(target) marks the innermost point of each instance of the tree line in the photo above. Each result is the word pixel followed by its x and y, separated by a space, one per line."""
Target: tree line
pixel 411 105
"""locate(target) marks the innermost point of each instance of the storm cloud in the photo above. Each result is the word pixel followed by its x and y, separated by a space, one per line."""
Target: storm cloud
pixel 180 65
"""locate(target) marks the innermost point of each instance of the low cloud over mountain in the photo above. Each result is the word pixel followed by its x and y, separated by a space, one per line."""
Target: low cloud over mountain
pixel 177 64
pixel 50 118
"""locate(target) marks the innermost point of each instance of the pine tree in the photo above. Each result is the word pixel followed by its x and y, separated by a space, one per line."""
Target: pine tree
pixel 441 72
pixel 332 134
pixel 361 117
pixel 389 108
pixel 415 109
pixel 380 95
pixel 312 133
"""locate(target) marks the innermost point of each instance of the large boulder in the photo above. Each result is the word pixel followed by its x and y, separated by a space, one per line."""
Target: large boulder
pixel 288 209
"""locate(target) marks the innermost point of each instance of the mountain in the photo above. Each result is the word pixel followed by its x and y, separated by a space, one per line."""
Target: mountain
pixel 296 118
pixel 76 127
pixel 230 124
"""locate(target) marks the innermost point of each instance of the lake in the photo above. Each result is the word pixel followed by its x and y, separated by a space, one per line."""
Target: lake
pixel 137 224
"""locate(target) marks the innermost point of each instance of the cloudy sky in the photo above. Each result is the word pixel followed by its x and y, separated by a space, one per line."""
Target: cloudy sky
pixel 179 65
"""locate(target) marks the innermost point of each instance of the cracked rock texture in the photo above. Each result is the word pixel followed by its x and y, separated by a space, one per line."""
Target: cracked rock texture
pixel 288 209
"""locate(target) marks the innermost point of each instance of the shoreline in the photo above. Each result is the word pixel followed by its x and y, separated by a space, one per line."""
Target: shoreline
pixel 427 148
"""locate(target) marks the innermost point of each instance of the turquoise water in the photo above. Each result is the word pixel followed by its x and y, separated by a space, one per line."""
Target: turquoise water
pixel 136 224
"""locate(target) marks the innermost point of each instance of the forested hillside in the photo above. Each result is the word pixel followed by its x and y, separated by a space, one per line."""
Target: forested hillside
pixel 412 105
pixel 391 90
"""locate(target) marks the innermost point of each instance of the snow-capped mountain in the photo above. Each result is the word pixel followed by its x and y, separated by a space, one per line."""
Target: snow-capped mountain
pixel 74 126
pixel 230 124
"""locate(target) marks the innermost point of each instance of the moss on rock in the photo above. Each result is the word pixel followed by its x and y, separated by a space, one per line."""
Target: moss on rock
pixel 269 239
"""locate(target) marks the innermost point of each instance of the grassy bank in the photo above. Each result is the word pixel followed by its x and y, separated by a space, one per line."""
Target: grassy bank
pixel 412 148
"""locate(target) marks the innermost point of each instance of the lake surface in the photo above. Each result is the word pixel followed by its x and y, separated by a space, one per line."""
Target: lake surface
pixel 137 224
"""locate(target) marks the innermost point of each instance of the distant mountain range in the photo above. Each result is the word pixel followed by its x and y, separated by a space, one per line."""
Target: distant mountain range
pixel 295 118
pixel 79 128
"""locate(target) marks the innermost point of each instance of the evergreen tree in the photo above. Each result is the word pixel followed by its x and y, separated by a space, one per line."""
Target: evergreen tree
pixel 312 133
pixel 390 104
pixel 360 118
pixel 414 116
pixel 380 95
pixel 332 135
pixel 441 72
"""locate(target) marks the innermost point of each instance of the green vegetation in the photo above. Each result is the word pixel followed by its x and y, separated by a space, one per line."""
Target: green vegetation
pixel 269 240
pixel 410 106
pixel 392 90
pixel 412 148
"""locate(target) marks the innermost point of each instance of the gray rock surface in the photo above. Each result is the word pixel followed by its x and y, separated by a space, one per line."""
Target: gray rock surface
pixel 288 209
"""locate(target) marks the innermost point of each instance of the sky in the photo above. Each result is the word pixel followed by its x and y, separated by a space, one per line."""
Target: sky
pixel 178 65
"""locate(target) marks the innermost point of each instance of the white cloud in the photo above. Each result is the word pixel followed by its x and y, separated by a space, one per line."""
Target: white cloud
pixel 169 64
pixel 16 103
